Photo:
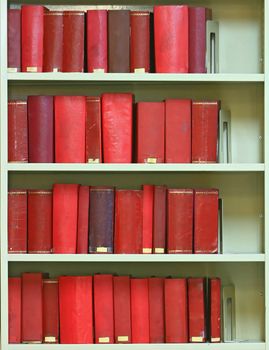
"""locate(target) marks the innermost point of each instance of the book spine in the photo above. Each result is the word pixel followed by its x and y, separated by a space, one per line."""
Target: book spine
pixel 14 40
pixel 148 192
pixel 14 310
pixel 83 219
pixel 93 130
pixel 156 310
pixel 215 310
pixel 50 311
pixel 159 220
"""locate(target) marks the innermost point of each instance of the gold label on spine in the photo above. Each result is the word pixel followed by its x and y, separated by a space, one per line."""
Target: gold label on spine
pixel 147 250
pixel 139 70
pixel 197 339
pixel 93 161
pixel 151 160
pixel 55 70
pixel 103 340
pixel 215 340
pixel 159 250
pixel 123 338
pixel 101 249
pixel 99 70
pixel 50 340
pixel 12 70
pixel 31 69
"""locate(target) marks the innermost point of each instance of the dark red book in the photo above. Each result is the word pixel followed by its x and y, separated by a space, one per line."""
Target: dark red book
pixel 32 316
pixel 14 40
pixel 83 219
pixel 40 129
pixel 53 41
pixel 196 307
pixel 159 220
pixel 50 311
pixel 180 221
pixel 70 124
pixel 76 309
pixel 150 132
pixel 73 41
pixel 204 131
pixel 148 193
pixel 171 38
pixel 39 221
pixel 156 310
pixel 17 132
pixel 128 222
pixel 215 310
pixel 176 310
pixel 206 221
pixel 32 24
pixel 122 309
pixel 14 310
pixel 140 41
pixel 178 131
pixel 93 130
pixel 117 122
pixel 97 44
pixel 103 309
pixel 65 212
pixel 17 221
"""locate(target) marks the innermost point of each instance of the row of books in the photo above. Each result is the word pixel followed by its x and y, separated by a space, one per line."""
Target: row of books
pixel 116 40
pixel 107 309
pixel 79 129
pixel 82 219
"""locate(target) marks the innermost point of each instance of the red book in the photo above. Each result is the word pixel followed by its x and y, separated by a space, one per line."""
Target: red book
pixel 128 222
pixel 150 132
pixel 50 311
pixel 180 221
pixel 39 221
pixel 53 41
pixel 215 310
pixel 97 40
pixel 117 122
pixel 14 310
pixel 103 309
pixel 76 309
pixel 73 41
pixel 178 131
pixel 65 212
pixel 17 221
pixel 83 220
pixel 17 132
pixel 93 130
pixel 196 307
pixel 204 131
pixel 32 294
pixel 159 220
pixel 32 17
pixel 148 192
pixel 171 38
pixel 14 40
pixel 40 129
pixel 70 123
pixel 176 310
pixel 140 41
pixel 206 203
pixel 156 310
pixel 140 310
pixel 122 309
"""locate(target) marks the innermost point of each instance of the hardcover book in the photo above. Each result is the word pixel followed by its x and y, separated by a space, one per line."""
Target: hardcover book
pixel 50 311
pixel 14 310
pixel 14 40
pixel 156 310
pixel 215 309
pixel 148 192
pixel 93 130
pixel 159 220
pixel 83 219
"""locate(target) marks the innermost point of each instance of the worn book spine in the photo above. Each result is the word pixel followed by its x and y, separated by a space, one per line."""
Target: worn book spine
pixel 156 310
pixel 50 311
pixel 93 130
pixel 14 310
pixel 159 220
pixel 215 310
pixel 14 40
pixel 148 193
pixel 83 219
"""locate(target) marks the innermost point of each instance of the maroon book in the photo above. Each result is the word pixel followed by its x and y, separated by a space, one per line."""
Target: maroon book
pixel 14 40
pixel 159 220
pixel 50 311
pixel 156 310
pixel 14 310
pixel 93 130
pixel 83 219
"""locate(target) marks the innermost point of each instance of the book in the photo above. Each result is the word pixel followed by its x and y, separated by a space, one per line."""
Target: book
pixel 93 130
pixel 147 222
pixel 14 40
pixel 159 220
pixel 215 310
pixel 14 310
pixel 83 219
pixel 50 311
pixel 156 310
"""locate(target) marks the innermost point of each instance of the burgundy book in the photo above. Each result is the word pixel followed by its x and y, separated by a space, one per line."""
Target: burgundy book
pixel 40 129
pixel 83 219
pixel 50 311
pixel 156 310
pixel 148 193
pixel 159 220
pixel 14 40
pixel 215 309
pixel 93 130
pixel 14 310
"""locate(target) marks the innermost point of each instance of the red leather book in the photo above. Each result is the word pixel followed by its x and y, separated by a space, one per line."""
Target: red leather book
pixel 17 132
pixel 17 221
pixel 196 307
pixel 32 322
pixel 93 130
pixel 148 193
pixel 140 41
pixel 156 310
pixel 32 18
pixel 83 219
pixel 204 131
pixel 97 40
pixel 122 309
pixel 171 38
pixel 103 309
pixel 70 124
pixel 206 221
pixel 40 129
pixel 65 210
pixel 150 132
pixel 140 310
pixel 176 310
pixel 50 311
pixel 14 40
pixel 14 310
pixel 159 220
pixel 128 222
pixel 215 310
pixel 180 221
pixel 73 41
pixel 39 221
pixel 53 41
pixel 178 131
pixel 117 122
pixel 76 309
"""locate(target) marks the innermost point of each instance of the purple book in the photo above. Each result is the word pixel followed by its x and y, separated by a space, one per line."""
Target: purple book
pixel 14 40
